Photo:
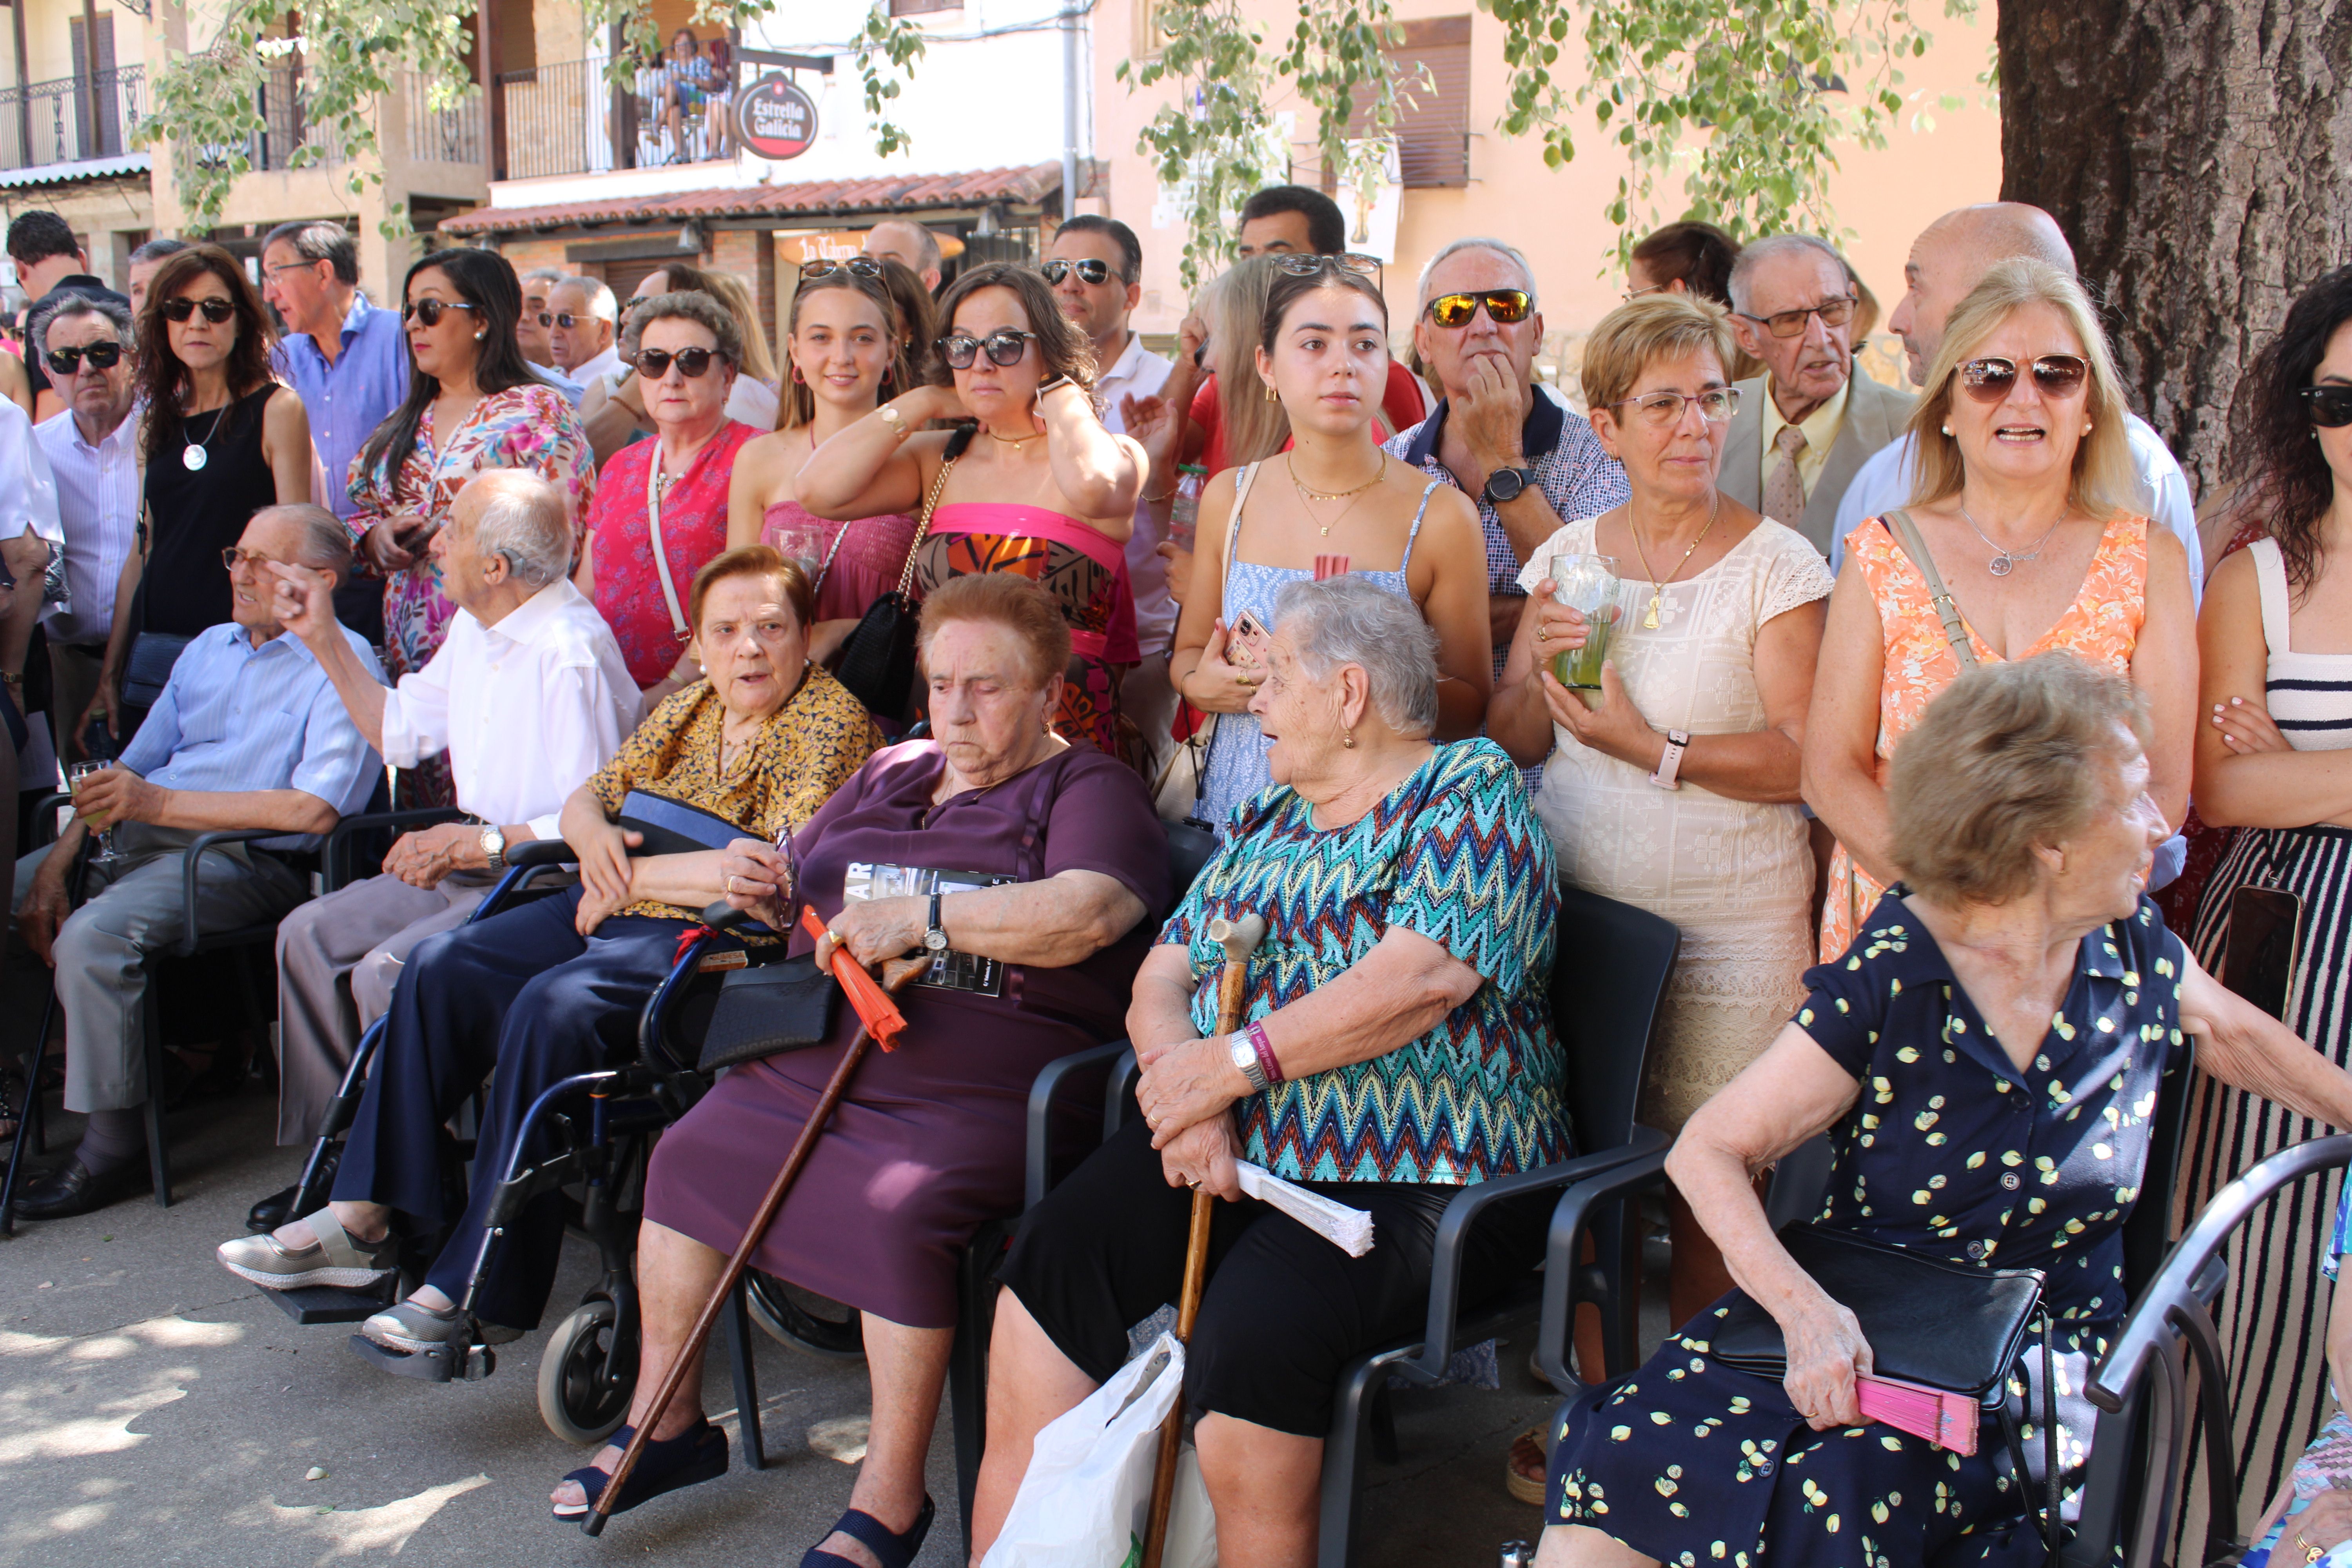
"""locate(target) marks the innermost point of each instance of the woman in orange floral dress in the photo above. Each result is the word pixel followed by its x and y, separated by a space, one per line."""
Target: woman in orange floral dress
pixel 2022 453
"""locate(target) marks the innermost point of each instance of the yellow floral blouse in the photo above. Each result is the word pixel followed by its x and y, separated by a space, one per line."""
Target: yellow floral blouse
pixel 808 749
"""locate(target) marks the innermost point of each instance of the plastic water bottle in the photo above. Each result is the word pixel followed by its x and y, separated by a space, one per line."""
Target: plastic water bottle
pixel 1184 512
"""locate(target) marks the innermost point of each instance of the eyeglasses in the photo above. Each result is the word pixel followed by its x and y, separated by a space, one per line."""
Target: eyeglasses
pixel 654 363
pixel 2330 408
pixel 1788 323
pixel 217 310
pixel 1504 307
pixel 234 558
pixel 1004 346
pixel 857 266
pixel 429 310
pixel 290 267
pixel 102 356
pixel 1353 261
pixel 1634 294
pixel 2055 375
pixel 564 319
pixel 1090 269
pixel 1661 409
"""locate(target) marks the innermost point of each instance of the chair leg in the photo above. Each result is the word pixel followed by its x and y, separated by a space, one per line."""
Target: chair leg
pixel 159 1158
pixel 747 1381
pixel 1352 1415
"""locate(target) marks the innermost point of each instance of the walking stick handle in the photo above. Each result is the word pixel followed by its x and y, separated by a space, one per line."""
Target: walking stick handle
pixel 874 1009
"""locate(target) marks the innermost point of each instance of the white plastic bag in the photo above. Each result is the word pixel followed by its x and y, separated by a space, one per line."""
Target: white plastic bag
pixel 1086 1497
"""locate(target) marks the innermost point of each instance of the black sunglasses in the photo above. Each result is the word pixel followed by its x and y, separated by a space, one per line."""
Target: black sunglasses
pixel 106 356
pixel 2056 376
pixel 1004 346
pixel 654 363
pixel 857 266
pixel 565 320
pixel 1504 307
pixel 217 310
pixel 429 310
pixel 1090 269
pixel 2330 408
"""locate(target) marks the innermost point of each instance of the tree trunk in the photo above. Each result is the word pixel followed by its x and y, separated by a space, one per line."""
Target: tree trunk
pixel 2198 153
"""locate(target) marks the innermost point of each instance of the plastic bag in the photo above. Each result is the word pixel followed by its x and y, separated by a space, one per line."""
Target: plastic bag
pixel 1086 1497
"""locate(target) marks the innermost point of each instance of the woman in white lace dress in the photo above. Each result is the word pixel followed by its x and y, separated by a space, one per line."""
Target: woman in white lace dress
pixel 1674 787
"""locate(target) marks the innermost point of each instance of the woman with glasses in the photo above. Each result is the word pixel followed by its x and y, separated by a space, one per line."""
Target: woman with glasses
pixel 1672 785
pixel 2023 453
pixel 1333 502
pixel 1035 486
pixel 660 510
pixel 473 404
pixel 848 353
pixel 2273 735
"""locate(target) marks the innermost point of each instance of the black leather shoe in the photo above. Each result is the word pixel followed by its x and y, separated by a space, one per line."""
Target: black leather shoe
pixel 277 1208
pixel 70 1189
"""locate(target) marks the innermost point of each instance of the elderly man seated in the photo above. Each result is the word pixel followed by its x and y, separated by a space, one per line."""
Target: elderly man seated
pixel 248 734
pixel 529 695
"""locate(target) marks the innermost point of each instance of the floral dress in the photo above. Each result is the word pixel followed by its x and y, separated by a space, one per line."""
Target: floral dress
pixel 2102 625
pixel 694 530
pixel 1953 1152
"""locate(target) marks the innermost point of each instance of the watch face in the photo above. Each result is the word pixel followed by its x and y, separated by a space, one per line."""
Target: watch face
pixel 1504 484
pixel 936 940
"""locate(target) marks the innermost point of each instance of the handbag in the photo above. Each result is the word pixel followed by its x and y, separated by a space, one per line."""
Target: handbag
pixel 673 827
pixel 1176 793
pixel 877 661
pixel 147 668
pixel 766 1008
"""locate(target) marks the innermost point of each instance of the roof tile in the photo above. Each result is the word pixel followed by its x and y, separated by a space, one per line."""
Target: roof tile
pixel 876 194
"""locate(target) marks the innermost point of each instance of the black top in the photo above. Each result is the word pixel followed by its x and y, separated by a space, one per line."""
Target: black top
pixel 198 513
pixel 79 283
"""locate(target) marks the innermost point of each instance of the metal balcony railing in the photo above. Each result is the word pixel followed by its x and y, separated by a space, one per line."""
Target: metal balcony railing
pixel 71 120
pixel 568 118
pixel 451 135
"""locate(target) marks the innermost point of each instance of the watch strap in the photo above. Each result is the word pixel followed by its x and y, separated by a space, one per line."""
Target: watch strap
pixel 1670 764
pixel 932 928
pixel 1245 1061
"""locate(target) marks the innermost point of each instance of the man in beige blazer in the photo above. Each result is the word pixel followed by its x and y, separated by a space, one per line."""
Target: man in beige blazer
pixel 1806 424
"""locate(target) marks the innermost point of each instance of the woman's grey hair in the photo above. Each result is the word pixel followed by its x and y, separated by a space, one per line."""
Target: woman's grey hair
pixel 326 542
pixel 696 307
pixel 1504 248
pixel 1349 619
pixel 523 520
pixel 73 305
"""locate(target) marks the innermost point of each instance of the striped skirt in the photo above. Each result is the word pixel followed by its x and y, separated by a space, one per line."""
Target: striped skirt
pixel 2273 1312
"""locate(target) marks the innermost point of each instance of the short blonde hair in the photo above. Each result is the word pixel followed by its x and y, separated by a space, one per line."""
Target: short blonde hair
pixel 1655 326
pixel 2003 763
pixel 1000 598
pixel 2104 474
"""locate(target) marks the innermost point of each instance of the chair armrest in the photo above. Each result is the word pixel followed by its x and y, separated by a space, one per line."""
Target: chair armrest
pixel 1118 1094
pixel 542 852
pixel 1577 1206
pixel 1043 1092
pixel 1462 1211
pixel 189 932
pixel 339 838
pixel 45 815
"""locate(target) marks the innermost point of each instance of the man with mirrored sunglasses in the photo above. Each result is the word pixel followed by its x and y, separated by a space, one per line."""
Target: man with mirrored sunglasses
pixel 582 322
pixel 50 262
pixel 1809 423
pixel 92 451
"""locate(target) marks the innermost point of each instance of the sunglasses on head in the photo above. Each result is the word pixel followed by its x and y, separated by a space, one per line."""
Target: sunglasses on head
pixel 1353 261
pixel 217 310
pixel 2054 376
pixel 1504 307
pixel 429 310
pixel 2330 408
pixel 1091 269
pixel 102 356
pixel 1788 323
pixel 857 266
pixel 654 363
pixel 1004 346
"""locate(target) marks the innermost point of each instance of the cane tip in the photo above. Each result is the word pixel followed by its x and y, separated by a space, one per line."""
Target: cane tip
pixel 593 1524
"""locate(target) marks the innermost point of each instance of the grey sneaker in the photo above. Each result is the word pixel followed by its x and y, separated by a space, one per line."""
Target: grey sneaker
pixel 411 1326
pixel 335 1259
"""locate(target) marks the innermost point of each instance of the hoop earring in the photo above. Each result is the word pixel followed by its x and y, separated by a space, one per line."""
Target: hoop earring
pixel 1270 396
pixel 797 377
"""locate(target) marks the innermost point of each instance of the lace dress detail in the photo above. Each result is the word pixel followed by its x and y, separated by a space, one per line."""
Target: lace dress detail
pixel 1736 875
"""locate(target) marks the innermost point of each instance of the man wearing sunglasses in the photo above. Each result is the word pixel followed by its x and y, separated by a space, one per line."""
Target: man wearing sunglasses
pixel 1951 257
pixel 51 261
pixel 1808 423
pixel 92 451
pixel 581 320
pixel 1496 434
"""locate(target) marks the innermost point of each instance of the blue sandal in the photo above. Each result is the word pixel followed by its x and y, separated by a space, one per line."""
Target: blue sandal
pixel 891 1550
pixel 697 1454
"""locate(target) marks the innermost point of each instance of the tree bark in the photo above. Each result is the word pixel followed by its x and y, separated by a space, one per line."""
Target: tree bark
pixel 2198 153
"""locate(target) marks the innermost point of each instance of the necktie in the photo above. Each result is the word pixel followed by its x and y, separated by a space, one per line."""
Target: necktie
pixel 1784 488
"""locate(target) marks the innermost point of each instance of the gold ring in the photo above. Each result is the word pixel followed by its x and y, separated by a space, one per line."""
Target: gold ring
pixel 835 936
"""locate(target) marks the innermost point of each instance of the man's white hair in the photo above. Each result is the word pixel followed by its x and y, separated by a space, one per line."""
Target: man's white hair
pixel 601 303
pixel 523 520
pixel 1769 249
pixel 1507 251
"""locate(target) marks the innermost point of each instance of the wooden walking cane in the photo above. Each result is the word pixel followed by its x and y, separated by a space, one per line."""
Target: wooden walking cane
pixel 878 1019
pixel 1239 938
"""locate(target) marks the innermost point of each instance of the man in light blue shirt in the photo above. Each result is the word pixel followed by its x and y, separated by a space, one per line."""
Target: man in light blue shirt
pixel 248 734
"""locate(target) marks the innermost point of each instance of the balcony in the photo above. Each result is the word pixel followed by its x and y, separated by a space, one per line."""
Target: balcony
pixel 568 119
pixel 73 119
pixel 451 135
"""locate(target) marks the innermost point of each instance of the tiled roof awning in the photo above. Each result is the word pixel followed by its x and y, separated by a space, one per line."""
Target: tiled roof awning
pixel 880 193
pixel 67 173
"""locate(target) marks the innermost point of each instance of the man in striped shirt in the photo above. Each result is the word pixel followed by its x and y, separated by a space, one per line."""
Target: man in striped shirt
pixel 91 450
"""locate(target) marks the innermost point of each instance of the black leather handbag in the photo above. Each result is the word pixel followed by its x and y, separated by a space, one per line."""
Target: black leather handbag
pixel 768 1008
pixel 876 660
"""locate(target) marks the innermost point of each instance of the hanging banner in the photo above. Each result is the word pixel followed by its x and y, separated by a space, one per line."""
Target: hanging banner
pixel 775 119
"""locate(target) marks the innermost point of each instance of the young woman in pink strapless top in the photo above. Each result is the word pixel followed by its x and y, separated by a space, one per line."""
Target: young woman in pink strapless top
pixel 851 344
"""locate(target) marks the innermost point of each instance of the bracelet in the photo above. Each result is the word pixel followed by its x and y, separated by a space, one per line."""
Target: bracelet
pixel 894 419
pixel 1264 1048
pixel 1154 500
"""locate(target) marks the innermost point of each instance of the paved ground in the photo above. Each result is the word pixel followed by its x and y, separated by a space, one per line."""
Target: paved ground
pixel 154 1410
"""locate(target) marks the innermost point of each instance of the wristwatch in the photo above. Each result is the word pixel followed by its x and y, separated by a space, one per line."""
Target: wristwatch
pixel 1051 383
pixel 895 420
pixel 1677 740
pixel 494 847
pixel 1505 485
pixel 1245 1061
pixel 935 935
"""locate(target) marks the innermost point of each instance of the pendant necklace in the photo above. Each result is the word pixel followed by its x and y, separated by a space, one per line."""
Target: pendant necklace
pixel 2005 561
pixel 1657 584
pixel 193 454
pixel 1306 494
pixel 1015 442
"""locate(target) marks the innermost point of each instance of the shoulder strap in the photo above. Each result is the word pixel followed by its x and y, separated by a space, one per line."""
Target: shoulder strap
pixel 825 570
pixel 1419 513
pixel 1233 523
pixel 1956 630
pixel 956 445
pixel 661 556
pixel 2270 576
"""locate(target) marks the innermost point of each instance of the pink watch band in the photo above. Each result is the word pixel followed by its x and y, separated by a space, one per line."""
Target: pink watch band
pixel 1264 1048
pixel 1677 742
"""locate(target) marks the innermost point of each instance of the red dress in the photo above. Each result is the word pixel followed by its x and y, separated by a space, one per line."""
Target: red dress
pixel 694 530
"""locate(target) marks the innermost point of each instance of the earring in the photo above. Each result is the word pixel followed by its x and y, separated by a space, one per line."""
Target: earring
pixel 480 336
pixel 1947 429
pixel 1270 398
pixel 1349 740
pixel 797 377
pixel 2086 426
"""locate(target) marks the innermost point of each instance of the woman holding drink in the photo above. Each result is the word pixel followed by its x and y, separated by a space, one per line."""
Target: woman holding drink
pixel 1673 743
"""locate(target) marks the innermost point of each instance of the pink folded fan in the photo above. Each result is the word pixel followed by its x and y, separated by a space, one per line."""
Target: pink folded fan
pixel 1329 566
pixel 1946 1419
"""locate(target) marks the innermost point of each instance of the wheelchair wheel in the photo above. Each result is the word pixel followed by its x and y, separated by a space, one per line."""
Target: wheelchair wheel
pixel 575 1398
pixel 805 1320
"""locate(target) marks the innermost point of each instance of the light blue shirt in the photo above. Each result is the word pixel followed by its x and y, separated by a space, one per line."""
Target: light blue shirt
pixel 347 400
pixel 237 717
pixel 573 391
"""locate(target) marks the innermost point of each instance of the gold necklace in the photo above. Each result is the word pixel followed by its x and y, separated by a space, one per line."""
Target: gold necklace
pixel 1658 584
pixel 1015 442
pixel 1306 494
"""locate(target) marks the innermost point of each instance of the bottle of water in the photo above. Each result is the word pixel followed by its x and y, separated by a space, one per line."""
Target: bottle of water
pixel 1184 512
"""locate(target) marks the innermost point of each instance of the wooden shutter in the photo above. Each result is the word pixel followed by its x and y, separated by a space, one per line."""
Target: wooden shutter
pixel 1433 129
pixel 101 136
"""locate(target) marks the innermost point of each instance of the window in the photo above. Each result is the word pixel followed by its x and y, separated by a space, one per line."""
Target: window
pixel 1150 35
pixel 1433 129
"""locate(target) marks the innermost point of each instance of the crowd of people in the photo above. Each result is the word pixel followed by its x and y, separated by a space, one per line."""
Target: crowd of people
pixel 1902 699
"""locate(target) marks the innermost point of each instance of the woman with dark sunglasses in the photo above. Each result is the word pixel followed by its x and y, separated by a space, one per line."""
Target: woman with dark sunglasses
pixel 473 404
pixel 660 513
pixel 1035 486
pixel 2023 458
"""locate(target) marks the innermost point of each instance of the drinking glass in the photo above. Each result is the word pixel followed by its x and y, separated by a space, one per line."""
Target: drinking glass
pixel 801 543
pixel 75 775
pixel 1588 583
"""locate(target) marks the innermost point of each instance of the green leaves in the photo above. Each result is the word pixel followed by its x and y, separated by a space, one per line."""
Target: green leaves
pixel 1216 143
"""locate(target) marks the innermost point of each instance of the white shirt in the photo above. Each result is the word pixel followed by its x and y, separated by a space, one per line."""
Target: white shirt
pixel 97 492
pixel 586 371
pixel 1140 372
pixel 526 709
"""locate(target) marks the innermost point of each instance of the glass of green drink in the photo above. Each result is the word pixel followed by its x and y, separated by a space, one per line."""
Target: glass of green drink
pixel 1589 584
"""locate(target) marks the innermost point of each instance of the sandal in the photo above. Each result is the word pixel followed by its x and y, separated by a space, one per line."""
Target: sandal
pixel 698 1453
pixel 889 1549
pixel 335 1259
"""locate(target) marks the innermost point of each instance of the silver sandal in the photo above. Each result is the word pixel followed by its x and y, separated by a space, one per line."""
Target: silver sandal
pixel 334 1258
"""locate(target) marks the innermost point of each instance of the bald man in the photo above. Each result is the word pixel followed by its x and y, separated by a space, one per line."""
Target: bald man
pixel 1947 259
pixel 901 239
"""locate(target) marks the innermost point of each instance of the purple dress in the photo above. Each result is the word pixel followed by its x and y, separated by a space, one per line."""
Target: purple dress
pixel 927 1143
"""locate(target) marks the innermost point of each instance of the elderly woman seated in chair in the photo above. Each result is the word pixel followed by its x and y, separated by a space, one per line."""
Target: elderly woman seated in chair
pixel 1987 1058
pixel 1398 1046
pixel 1029 866
pixel 554 987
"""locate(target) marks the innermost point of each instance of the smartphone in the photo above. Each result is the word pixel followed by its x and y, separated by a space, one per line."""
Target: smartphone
pixel 1250 637
pixel 2265 927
